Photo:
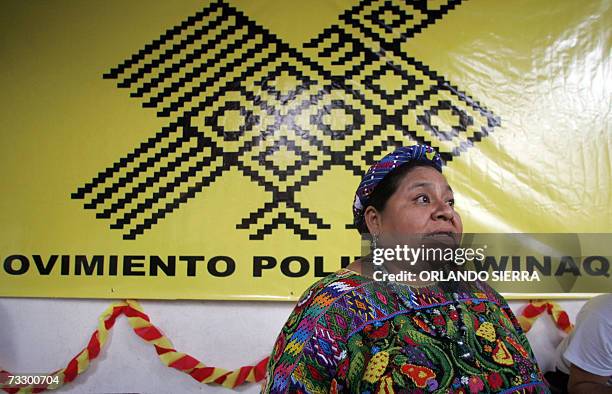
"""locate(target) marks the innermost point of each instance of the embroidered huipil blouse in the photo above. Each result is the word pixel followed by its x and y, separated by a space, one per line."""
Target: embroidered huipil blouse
pixel 351 334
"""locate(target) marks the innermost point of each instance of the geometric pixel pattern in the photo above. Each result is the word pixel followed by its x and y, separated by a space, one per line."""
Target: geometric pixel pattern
pixel 237 96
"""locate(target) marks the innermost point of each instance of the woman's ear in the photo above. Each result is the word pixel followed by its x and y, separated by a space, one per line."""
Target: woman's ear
pixel 373 220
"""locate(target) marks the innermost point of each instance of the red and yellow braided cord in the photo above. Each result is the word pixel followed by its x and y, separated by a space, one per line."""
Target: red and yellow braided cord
pixel 534 309
pixel 143 327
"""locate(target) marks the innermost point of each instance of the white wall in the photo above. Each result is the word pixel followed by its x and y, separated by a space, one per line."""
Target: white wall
pixel 38 335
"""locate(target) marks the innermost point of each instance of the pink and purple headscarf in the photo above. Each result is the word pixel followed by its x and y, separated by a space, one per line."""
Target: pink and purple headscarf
pixel 376 173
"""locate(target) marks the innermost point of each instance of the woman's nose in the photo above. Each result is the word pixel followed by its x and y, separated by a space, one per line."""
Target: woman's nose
pixel 442 211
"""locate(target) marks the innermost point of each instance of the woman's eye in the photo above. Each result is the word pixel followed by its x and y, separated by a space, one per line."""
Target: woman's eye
pixel 451 202
pixel 422 199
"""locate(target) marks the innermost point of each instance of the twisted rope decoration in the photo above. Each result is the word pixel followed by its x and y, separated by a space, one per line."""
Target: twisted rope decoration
pixel 142 326
pixel 534 309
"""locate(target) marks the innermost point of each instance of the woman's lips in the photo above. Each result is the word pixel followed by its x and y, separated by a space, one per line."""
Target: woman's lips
pixel 443 236
pixel 440 233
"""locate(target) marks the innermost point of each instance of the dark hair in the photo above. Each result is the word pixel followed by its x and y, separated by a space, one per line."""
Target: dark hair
pixel 385 189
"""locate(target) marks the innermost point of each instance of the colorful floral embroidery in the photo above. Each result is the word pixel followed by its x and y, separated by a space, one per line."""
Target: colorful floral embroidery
pixel 386 386
pixel 376 367
pixel 495 380
pixel 419 375
pixel 352 334
pixel 476 384
pixel 501 355
pixel 486 331
pixel 518 347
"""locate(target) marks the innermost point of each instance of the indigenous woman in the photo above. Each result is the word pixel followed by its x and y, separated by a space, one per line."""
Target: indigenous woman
pixel 350 333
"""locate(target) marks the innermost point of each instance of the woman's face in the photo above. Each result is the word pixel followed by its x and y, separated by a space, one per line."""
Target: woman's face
pixel 422 204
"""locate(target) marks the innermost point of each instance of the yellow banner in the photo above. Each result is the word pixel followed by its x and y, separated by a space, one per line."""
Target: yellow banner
pixel 212 150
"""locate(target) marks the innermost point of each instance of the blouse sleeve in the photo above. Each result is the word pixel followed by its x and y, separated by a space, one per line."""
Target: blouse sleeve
pixel 308 351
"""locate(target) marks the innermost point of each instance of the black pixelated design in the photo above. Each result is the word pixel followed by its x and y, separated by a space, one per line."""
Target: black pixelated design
pixel 219 62
pixel 409 83
pixel 404 26
pixel 250 120
pixel 357 117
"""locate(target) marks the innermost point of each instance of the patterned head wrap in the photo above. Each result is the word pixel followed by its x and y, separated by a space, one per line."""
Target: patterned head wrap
pixel 376 173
